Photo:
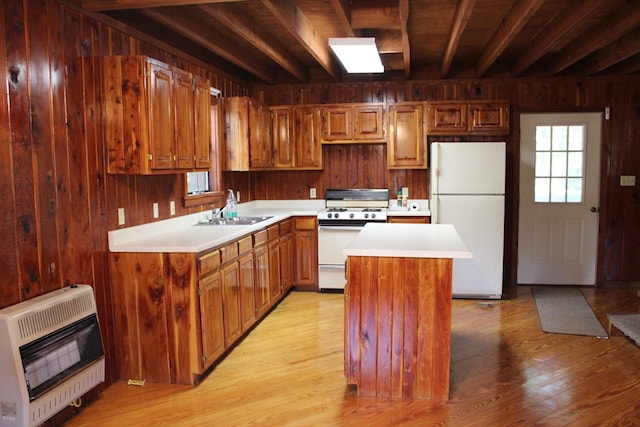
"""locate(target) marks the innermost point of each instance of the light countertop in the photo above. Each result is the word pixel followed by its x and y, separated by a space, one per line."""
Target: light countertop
pixel 181 234
pixel 408 240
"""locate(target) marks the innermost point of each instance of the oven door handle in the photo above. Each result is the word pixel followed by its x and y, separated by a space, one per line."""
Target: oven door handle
pixel 340 228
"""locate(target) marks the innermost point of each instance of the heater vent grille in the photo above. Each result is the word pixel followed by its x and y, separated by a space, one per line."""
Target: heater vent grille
pixel 55 316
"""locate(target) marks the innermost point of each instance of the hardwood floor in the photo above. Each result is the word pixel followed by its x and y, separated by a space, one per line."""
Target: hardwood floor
pixel 504 371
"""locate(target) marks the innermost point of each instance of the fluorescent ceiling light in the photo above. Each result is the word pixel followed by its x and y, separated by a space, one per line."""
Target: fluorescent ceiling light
pixel 357 54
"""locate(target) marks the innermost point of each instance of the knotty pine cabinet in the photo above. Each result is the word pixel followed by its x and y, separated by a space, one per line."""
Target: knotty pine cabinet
pixel 352 123
pixel 210 305
pixel 275 283
pixel 247 135
pixel 287 255
pixel 468 118
pixel 153 117
pixel 305 236
pixel 407 141
pixel 307 146
pixel 175 314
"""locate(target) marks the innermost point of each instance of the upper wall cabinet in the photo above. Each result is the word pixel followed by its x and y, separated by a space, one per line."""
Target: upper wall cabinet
pixel 468 118
pixel 247 135
pixel 352 123
pixel 406 145
pixel 152 117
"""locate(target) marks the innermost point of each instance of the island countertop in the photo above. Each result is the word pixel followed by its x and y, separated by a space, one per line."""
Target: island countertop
pixel 408 240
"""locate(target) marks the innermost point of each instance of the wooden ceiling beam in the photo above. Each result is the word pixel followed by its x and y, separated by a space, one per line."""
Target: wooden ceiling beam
pixel 292 18
pixel 618 24
pixel 103 5
pixel 406 48
pixel 458 25
pixel 343 11
pixel 521 11
pixel 619 51
pixel 389 41
pixel 215 41
pixel 570 17
pixel 238 22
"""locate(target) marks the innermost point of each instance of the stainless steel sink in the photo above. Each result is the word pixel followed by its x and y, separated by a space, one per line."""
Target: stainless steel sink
pixel 239 220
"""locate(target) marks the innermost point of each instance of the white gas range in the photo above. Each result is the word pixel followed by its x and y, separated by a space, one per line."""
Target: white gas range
pixel 346 212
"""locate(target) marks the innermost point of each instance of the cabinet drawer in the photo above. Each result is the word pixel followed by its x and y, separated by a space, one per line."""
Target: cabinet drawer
pixel 260 237
pixel 208 263
pixel 285 227
pixel 245 244
pixel 306 223
pixel 229 252
pixel 273 232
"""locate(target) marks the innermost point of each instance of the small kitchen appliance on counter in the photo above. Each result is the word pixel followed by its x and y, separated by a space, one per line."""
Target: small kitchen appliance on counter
pixel 346 212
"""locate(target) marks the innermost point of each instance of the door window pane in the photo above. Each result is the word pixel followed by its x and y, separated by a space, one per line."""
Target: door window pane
pixel 559 164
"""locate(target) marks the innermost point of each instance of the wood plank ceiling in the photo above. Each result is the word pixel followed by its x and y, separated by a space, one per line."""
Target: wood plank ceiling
pixel 286 41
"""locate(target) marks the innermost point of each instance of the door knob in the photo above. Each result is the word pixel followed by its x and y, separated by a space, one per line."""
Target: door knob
pixel 595 209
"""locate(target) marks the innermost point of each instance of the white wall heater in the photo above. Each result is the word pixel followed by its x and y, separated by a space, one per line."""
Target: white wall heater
pixel 51 353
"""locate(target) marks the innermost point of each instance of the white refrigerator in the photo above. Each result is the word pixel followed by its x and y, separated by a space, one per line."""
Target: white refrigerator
pixel 467 190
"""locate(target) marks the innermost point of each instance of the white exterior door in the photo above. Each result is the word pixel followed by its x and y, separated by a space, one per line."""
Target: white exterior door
pixel 559 196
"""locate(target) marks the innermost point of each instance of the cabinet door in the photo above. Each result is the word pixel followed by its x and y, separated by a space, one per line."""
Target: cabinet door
pixel 211 319
pixel 247 292
pixel 261 270
pixel 369 122
pixel 231 302
pixel 161 117
pixel 489 118
pixel 259 140
pixel 286 261
pixel 306 247
pixel 274 271
pixel 282 137
pixel 184 119
pixel 308 147
pixel 336 123
pixel 202 118
pixel 447 118
pixel 406 146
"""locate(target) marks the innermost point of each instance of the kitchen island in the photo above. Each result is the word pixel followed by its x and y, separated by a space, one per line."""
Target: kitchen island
pixel 398 309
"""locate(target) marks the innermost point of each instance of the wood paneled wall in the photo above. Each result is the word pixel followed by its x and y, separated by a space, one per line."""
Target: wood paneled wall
pixel 619 245
pixel 57 202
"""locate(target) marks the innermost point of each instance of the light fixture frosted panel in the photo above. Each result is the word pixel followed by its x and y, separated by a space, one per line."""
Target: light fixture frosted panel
pixel 357 54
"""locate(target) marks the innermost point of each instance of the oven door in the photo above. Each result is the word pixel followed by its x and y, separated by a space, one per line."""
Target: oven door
pixel 331 241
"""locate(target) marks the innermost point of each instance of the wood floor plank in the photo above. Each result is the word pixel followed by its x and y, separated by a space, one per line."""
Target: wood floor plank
pixel 289 371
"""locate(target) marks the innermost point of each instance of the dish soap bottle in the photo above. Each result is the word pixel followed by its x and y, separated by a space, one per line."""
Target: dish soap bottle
pixel 231 211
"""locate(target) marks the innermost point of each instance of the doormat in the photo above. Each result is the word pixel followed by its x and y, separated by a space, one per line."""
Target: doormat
pixel 628 324
pixel 564 310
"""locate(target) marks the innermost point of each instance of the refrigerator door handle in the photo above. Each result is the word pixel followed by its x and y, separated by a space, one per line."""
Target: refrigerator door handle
pixel 435 167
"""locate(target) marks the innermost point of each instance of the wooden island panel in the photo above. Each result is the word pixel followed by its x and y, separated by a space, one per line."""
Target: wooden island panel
pixel 398 326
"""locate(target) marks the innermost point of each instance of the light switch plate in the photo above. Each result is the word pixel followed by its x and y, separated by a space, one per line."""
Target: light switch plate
pixel 172 207
pixel 312 193
pixel 156 214
pixel 121 219
pixel 627 180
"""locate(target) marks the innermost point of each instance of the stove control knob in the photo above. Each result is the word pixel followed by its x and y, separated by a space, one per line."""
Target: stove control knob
pixel 366 215
pixel 336 215
pixel 329 215
pixel 373 215
pixel 351 215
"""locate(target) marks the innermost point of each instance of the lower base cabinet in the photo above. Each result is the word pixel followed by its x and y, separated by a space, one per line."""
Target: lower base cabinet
pixel 177 313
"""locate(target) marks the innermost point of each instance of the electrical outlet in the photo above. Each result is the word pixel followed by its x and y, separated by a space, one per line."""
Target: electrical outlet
pixel 312 193
pixel 238 196
pixel 156 214
pixel 121 220
pixel 172 208
pixel 627 180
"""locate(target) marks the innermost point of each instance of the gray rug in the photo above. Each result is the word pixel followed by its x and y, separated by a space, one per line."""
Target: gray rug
pixel 628 324
pixel 564 310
